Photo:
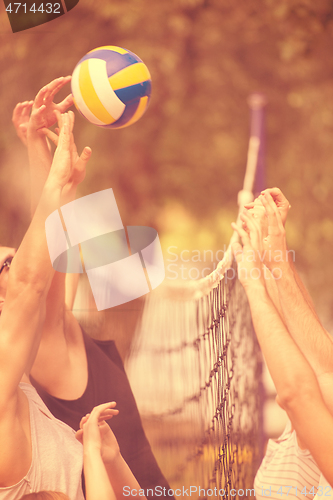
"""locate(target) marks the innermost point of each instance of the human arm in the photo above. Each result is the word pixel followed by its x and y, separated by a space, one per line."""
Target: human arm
pixel 30 130
pixel 295 381
pixel 105 471
pixel 33 133
pixel 30 276
pixel 71 285
pixel 71 279
pixel 293 301
pixel 283 207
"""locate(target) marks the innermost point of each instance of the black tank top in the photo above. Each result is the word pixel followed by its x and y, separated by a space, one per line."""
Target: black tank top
pixel 107 381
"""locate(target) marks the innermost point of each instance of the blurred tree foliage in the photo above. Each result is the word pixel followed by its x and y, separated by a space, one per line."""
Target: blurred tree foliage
pixel 180 167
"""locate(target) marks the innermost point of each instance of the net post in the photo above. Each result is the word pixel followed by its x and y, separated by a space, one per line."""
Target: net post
pixel 257 103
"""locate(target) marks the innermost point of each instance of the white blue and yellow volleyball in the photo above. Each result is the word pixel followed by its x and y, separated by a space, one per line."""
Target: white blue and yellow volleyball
pixel 111 87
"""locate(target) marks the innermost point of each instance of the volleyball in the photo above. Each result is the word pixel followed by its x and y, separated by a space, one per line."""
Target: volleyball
pixel 111 87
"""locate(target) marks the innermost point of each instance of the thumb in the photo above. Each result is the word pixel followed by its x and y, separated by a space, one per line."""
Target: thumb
pixel 86 154
pixel 83 160
pixel 79 435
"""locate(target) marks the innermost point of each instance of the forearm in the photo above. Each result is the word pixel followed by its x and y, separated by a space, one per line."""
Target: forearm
pixel 24 309
pixel 301 286
pixel 287 365
pixel 303 325
pixel 272 290
pixel 39 164
pixel 295 381
pixel 98 486
pixel 121 476
pixel 32 264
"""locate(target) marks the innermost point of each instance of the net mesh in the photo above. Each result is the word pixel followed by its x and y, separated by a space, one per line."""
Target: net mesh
pixel 195 371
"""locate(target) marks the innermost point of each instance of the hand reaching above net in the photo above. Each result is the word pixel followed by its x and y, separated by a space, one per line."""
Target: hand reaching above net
pixel 67 169
pixel 279 199
pixel 43 109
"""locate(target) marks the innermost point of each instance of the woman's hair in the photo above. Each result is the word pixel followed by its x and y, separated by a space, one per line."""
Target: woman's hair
pixel 45 495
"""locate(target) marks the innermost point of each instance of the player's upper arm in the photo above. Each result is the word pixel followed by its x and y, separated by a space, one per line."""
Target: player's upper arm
pixel 20 323
pixel 314 426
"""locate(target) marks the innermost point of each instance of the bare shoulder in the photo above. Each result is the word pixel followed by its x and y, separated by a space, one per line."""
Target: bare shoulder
pixel 15 434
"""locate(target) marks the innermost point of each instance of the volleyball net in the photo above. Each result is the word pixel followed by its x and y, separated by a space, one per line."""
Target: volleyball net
pixel 195 368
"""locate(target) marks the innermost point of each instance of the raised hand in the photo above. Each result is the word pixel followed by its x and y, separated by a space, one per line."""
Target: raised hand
pixel 275 243
pixel 20 119
pixel 248 258
pixel 78 162
pixel 280 201
pixel 96 435
pixel 61 168
pixel 43 109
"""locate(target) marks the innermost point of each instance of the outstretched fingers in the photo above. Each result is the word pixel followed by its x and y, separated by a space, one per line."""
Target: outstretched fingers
pixel 46 97
pixel 56 85
pixel 39 99
pixel 22 111
pixel 280 201
pixel 66 103
pixel 242 234
pixel 65 130
pixel 59 119
pixel 83 159
pixel 100 413
pixel 84 420
pixel 275 224
pixel 253 227
pixel 103 412
pixel 47 93
pixel 38 114
pixel 50 135
pixel 20 118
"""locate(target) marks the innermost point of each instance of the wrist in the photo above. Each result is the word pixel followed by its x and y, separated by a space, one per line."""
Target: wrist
pixel 32 131
pixel 112 459
pixel 35 138
pixel 52 190
pixel 68 195
pixel 282 272
pixel 91 452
